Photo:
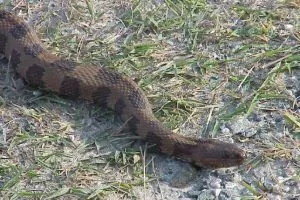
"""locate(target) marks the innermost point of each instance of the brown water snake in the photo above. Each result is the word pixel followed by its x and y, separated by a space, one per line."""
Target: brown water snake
pixel 39 67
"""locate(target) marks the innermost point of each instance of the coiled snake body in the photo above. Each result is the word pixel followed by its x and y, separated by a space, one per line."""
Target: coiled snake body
pixel 107 88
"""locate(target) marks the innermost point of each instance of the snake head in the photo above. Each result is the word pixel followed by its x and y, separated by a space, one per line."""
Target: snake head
pixel 216 154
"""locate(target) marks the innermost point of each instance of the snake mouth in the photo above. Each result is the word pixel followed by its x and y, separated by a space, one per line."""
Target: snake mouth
pixel 236 159
pixel 221 155
pixel 215 163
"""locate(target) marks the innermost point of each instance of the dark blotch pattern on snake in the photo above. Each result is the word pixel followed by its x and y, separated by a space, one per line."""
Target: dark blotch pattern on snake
pixel 39 67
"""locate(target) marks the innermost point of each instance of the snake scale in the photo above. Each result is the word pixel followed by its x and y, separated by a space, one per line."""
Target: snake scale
pixel 107 88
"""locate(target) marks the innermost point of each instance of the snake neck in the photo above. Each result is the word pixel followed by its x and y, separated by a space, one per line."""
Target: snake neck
pixel 154 132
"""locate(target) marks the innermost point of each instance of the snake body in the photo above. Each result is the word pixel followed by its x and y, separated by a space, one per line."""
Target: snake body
pixel 107 88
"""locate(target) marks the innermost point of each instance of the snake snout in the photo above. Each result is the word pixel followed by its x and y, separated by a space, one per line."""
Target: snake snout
pixel 217 154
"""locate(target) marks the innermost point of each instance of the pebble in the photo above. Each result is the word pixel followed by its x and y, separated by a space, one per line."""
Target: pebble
pixel 286 188
pixel 215 183
pixel 289 27
pixel 224 195
pixel 217 192
pixel 268 184
pixel 296 154
pixel 225 130
pixel 206 195
pixel 243 126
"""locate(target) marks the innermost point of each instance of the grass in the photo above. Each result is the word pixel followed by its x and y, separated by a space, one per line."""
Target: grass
pixel 201 64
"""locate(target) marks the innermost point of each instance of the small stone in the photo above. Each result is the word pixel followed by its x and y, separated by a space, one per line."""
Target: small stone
pixel 280 179
pixel 268 184
pixel 217 192
pixel 206 195
pixel 225 131
pixel 224 195
pixel 296 154
pixel 243 126
pixel 286 189
pixel 279 135
pixel 256 117
pixel 289 27
pixel 215 183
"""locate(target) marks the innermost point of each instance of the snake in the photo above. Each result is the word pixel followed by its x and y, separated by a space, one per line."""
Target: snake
pixel 107 88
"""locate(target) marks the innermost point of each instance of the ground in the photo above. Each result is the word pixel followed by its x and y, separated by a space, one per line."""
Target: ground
pixel 211 69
